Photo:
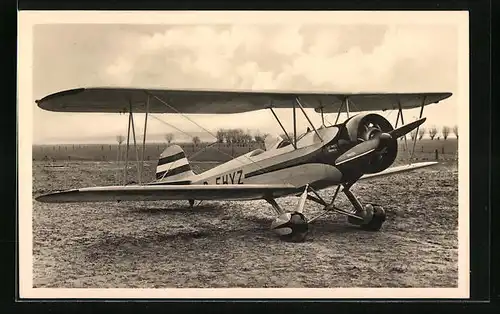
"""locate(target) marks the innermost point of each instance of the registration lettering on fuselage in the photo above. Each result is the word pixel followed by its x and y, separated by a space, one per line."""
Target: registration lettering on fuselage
pixel 235 177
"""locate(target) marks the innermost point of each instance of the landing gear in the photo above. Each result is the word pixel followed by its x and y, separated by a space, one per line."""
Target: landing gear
pixel 368 217
pixel 294 226
pixel 374 218
pixel 291 227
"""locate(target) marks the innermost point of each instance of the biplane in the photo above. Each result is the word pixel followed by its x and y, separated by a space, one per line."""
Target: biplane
pixel 335 155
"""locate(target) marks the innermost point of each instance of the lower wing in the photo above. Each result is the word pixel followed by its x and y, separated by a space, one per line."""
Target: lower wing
pixel 399 169
pixel 169 192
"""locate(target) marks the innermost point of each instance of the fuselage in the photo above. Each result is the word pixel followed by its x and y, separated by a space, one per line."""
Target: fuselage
pixel 312 162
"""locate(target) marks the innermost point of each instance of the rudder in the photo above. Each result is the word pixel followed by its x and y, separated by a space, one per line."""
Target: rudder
pixel 173 165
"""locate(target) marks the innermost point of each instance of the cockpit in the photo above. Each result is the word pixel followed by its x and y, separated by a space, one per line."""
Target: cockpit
pixel 305 139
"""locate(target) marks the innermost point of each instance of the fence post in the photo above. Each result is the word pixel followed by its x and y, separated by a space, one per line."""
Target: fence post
pixel 437 154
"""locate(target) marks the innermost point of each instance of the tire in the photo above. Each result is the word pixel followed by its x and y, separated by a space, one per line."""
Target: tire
pixel 377 220
pixel 300 229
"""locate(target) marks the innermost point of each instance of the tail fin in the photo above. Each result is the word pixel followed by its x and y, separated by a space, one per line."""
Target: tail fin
pixel 173 165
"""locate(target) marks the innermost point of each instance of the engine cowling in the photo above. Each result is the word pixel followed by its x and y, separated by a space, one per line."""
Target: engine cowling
pixel 364 127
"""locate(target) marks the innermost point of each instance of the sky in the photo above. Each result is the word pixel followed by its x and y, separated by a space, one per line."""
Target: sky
pixel 306 57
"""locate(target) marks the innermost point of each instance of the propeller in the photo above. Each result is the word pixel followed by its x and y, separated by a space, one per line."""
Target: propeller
pixel 407 128
pixel 378 141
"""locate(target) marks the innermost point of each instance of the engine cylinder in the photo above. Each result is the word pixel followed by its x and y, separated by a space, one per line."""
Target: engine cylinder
pixel 363 127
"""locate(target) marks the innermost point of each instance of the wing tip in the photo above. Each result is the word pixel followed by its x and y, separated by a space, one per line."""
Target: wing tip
pixel 42 198
pixel 447 95
pixel 46 102
pixel 54 197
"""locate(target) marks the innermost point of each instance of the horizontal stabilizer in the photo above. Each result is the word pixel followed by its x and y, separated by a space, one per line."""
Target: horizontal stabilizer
pixel 169 192
pixel 399 169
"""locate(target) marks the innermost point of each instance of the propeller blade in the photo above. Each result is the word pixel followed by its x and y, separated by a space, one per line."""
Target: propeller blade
pixel 359 150
pixel 407 128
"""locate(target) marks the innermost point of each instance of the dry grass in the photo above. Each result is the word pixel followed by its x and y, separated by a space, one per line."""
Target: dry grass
pixel 229 244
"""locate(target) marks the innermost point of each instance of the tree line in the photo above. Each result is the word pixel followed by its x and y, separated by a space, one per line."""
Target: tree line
pixel 243 137
pixel 433 132
pixel 228 136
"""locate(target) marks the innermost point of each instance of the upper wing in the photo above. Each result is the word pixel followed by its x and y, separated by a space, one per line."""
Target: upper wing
pixel 399 169
pixel 384 101
pixel 168 192
pixel 212 101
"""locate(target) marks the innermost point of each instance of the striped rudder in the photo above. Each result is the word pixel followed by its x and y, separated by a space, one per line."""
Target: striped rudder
pixel 173 165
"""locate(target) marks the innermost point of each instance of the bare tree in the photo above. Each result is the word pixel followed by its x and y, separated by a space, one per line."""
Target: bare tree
pixel 455 130
pixel 234 136
pixel 119 139
pixel 413 134
pixel 230 136
pixel 221 135
pixel 260 138
pixel 432 132
pixel 421 133
pixel 246 138
pixel 445 131
pixel 196 141
pixel 241 136
pixel 169 137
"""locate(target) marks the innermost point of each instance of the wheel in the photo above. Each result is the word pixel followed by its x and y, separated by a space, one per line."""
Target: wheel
pixel 292 227
pixel 377 220
pixel 377 214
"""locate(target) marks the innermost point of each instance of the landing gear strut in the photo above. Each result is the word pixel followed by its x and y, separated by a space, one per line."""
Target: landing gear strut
pixel 292 227
pixel 369 217
pixel 372 216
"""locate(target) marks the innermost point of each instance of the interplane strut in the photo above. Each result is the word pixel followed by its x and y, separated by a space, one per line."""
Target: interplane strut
pixel 297 100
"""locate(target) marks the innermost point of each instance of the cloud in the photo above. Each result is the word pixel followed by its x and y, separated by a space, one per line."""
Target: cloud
pixel 364 58
pixel 287 40
pixel 120 69
pixel 318 57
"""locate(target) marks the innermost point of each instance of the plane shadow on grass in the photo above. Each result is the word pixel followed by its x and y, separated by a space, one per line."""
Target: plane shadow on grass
pixel 109 245
pixel 169 209
pixel 118 246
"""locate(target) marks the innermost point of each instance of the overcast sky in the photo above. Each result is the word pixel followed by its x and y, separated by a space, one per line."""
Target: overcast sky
pixel 316 57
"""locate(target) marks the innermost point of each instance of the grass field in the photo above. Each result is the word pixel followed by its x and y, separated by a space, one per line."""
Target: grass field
pixel 229 244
